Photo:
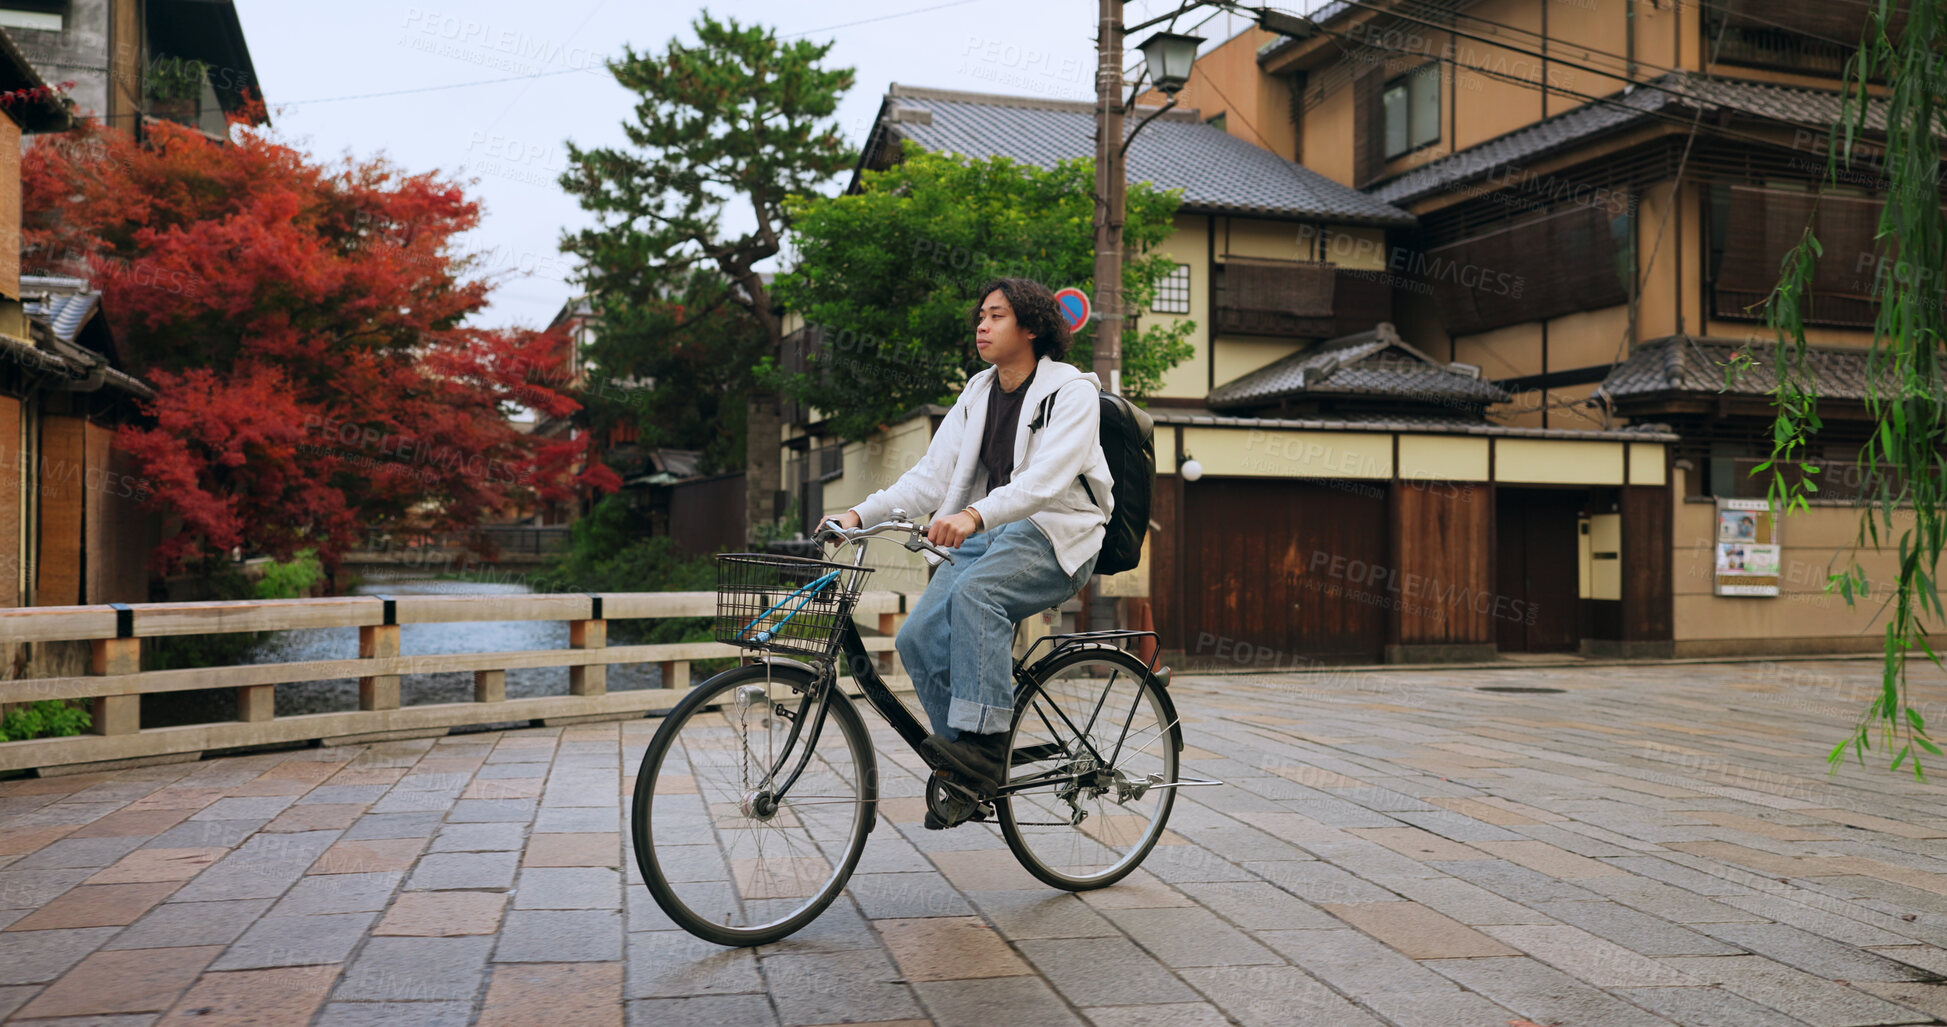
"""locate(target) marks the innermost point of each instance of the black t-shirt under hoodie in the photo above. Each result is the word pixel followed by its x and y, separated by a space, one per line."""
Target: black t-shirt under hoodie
pixel 1003 422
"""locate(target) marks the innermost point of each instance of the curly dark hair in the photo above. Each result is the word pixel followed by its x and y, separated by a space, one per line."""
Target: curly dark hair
pixel 1035 310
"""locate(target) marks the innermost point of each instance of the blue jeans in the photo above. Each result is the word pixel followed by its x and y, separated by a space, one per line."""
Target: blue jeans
pixel 958 643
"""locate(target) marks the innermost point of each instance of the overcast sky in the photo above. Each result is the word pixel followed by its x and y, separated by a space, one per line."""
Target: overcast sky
pixel 318 74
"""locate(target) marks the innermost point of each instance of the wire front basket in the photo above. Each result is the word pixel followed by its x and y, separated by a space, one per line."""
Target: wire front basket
pixel 785 604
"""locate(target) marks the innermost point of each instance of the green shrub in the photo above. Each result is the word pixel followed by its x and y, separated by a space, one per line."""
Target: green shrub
pixel 49 718
pixel 291 580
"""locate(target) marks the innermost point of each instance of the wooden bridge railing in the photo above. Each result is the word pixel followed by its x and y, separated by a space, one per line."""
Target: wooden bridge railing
pixel 116 683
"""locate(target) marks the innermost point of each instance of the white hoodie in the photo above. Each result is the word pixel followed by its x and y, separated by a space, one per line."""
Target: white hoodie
pixel 1050 459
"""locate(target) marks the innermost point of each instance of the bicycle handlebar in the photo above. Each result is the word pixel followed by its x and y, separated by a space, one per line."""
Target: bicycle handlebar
pixel 829 531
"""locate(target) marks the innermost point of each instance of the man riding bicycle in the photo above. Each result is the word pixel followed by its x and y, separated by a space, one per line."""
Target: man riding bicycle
pixel 1008 462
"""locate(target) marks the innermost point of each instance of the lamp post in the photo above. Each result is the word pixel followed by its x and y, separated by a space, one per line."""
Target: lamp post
pixel 1167 57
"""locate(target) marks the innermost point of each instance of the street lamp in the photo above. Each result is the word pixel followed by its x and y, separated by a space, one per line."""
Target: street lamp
pixel 1169 56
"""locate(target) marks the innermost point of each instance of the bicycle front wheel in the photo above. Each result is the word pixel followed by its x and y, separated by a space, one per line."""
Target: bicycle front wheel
pixel 733 849
pixel 1093 738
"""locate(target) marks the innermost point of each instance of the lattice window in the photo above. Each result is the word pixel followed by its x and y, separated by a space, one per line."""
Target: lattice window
pixel 1173 292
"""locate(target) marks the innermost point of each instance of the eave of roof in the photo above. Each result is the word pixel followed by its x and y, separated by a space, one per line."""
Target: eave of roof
pixel 45 111
pixel 1646 433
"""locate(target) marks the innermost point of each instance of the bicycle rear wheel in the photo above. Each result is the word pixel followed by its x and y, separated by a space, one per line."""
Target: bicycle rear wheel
pixel 725 857
pixel 1097 735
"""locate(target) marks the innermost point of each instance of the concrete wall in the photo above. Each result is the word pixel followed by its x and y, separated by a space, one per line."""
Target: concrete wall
pixel 78 53
pixel 1802 618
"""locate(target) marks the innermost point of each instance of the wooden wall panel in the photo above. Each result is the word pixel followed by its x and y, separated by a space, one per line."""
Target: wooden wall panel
pixel 63 510
pixel 1286 572
pixel 11 485
pixel 1165 604
pixel 1646 556
pixel 1441 533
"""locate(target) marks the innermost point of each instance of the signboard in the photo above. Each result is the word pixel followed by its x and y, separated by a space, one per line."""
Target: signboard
pixel 1747 548
pixel 1074 308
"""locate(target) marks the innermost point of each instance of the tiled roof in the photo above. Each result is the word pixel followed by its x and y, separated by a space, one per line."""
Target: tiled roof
pixel 1375 363
pixel 1216 171
pixel 1684 363
pixel 1676 94
pixel 63 312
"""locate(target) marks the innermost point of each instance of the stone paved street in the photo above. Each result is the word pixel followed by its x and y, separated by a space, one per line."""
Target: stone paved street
pixel 1652 845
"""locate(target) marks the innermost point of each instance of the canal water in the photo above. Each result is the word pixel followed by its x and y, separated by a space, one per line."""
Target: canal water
pixel 414 640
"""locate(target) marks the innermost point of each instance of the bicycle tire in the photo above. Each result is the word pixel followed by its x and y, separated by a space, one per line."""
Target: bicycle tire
pixel 1099 850
pixel 714 902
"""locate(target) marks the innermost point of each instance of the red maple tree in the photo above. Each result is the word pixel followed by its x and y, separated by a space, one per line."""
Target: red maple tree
pixel 306 329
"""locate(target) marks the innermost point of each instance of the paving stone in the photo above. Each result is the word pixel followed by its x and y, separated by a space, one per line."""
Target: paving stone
pixel 471 870
pixel 1025 1001
pixel 491 811
pixel 835 987
pixel 1102 971
pixel 676 964
pixel 948 948
pixel 338 893
pixel 1669 902
pixel 339 794
pixel 201 834
pixel 1636 931
pixel 1353 963
pixel 1190 937
pixel 261 808
pixel 128 981
pixel 71 852
pixel 568 888
pixel 1543 994
pixel 1811 999
pixel 191 923
pixel 35 957
pixel 129 823
pixel 560 936
pixel 1588 958
pixel 906 895
pixel 1813 954
pixel 416 969
pixel 1181 1014
pixel 1705 1007
pixel 248 998
pixel 296 941
pixel 573 850
pixel 373 826
pixel 1041 913
pixel 368 857
pixel 12 998
pixel 1317 882
pixel 1274 996
pixel 97 905
pixel 569 993
pixel 1417 931
pixel 443 914
pixel 263 867
pixel 563 820
pixel 1256 905
pixel 984 870
pixel 479 838
pixel 703 1011
pixel 1928 998
pixel 151 864
pixel 32 889
pixel 1515 883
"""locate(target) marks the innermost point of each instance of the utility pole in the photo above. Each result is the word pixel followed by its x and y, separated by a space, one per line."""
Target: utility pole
pixel 1110 184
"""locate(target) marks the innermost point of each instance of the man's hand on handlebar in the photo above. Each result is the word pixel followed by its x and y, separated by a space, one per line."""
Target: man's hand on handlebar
pixel 951 531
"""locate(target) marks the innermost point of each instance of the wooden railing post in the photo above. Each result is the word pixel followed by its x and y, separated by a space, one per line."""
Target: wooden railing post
pixel 676 673
pixel 589 679
pixel 888 625
pixel 256 703
pixel 489 686
pixel 377 642
pixel 116 714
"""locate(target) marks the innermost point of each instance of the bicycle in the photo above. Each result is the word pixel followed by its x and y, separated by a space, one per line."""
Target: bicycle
pixel 757 793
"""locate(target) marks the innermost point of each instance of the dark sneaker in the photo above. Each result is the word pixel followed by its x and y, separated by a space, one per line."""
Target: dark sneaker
pixel 979 759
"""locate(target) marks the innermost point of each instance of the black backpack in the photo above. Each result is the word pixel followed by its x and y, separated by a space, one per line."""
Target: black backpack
pixel 1128 442
pixel 1129 445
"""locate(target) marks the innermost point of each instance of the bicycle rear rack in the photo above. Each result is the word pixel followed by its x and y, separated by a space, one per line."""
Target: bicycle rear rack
pixel 1076 637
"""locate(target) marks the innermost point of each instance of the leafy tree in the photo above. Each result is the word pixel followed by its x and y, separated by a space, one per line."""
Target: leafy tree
pixel 889 272
pixel 305 328
pixel 678 367
pixel 1897 74
pixel 742 118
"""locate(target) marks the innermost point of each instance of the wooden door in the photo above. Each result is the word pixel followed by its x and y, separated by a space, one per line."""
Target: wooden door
pixel 1285 573
pixel 1536 605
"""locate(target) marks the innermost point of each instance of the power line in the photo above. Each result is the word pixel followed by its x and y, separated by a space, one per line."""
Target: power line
pixel 568 71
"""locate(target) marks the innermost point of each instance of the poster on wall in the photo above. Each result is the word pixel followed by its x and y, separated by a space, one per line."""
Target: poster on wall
pixel 1747 548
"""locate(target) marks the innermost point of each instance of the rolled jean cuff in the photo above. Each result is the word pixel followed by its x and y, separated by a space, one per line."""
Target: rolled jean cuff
pixel 974 718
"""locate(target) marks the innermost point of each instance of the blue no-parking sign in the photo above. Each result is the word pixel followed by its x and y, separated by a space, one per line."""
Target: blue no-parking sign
pixel 1074 307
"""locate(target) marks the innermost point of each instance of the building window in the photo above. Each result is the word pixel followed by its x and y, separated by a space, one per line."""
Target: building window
pixel 1412 111
pixel 1173 292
